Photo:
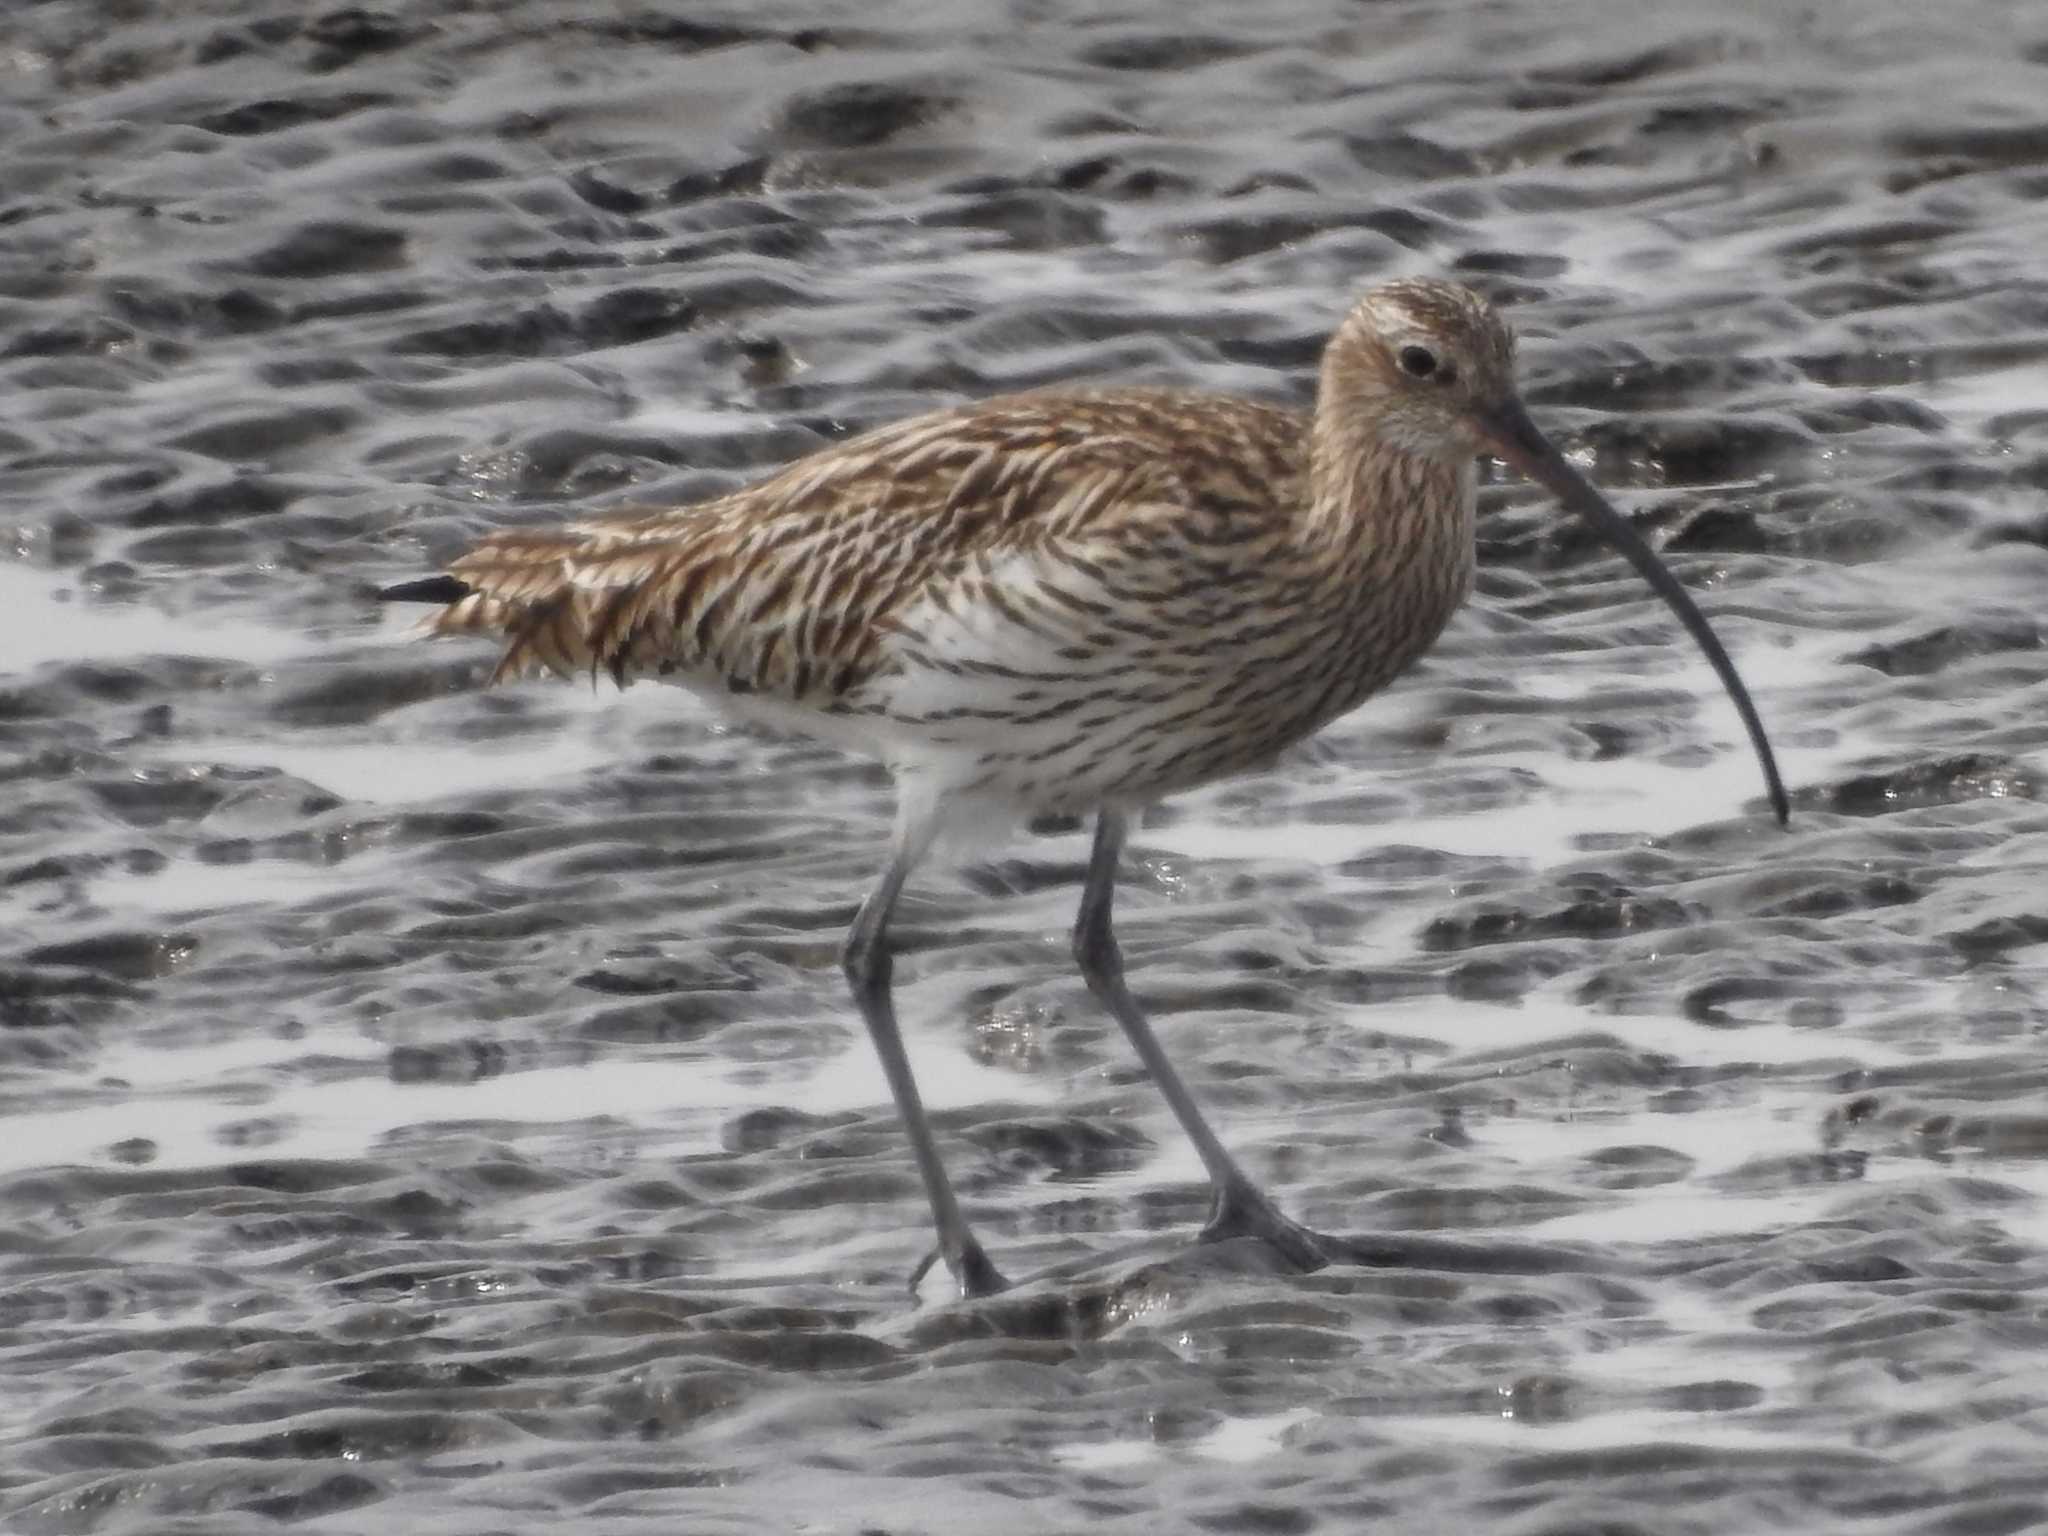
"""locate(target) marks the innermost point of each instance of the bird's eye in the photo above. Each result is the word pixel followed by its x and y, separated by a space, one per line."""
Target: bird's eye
pixel 1418 362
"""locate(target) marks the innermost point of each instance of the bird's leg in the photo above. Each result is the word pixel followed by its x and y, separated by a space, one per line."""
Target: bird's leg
pixel 868 968
pixel 1240 1208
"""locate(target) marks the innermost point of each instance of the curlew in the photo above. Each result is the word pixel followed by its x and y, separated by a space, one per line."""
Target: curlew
pixel 1073 600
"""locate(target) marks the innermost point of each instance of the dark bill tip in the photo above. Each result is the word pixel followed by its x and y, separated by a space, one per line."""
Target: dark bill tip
pixel 1516 441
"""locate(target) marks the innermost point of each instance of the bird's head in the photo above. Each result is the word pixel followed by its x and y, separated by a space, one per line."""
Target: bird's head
pixel 1421 364
pixel 1423 369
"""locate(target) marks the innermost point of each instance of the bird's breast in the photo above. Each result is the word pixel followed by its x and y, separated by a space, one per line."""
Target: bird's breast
pixel 1129 674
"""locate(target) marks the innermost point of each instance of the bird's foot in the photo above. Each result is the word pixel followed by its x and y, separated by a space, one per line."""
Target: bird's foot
pixel 974 1273
pixel 1242 1211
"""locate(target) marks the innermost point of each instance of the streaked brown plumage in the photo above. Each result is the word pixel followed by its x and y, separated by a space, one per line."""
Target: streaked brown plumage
pixel 1075 600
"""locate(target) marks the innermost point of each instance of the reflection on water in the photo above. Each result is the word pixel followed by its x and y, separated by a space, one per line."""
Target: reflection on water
pixel 329 1097
pixel 48 619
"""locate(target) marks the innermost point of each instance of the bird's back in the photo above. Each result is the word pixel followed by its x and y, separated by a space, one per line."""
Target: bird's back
pixel 1059 599
pixel 795 587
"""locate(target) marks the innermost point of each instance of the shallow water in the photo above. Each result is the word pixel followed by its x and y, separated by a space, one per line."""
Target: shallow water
pixel 437 1110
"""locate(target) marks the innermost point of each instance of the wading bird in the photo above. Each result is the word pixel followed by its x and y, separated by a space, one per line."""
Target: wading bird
pixel 1073 600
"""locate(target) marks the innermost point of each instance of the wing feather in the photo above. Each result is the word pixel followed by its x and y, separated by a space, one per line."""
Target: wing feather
pixel 1019 517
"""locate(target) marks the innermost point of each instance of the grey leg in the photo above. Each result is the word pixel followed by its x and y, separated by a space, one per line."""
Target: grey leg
pixel 868 968
pixel 1240 1208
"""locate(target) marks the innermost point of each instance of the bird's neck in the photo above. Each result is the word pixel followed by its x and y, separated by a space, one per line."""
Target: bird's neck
pixel 1375 503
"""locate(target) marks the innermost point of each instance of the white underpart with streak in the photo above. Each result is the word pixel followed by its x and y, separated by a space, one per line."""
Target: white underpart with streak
pixel 1014 728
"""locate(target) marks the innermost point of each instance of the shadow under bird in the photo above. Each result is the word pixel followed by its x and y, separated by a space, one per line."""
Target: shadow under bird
pixel 1074 600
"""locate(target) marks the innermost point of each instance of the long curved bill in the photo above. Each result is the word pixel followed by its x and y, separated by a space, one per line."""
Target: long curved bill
pixel 1517 441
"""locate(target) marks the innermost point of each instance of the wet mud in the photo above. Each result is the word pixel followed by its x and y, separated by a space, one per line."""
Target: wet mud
pixel 432 1109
